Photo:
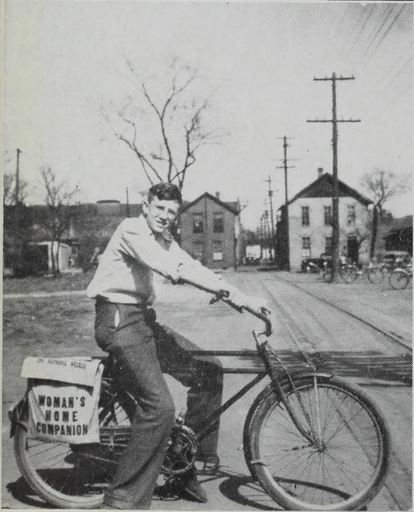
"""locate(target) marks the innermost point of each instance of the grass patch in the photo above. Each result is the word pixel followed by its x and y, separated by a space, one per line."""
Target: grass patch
pixel 48 327
pixel 64 282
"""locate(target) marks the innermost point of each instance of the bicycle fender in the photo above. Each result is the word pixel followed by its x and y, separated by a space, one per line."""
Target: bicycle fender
pixel 302 374
pixel 18 415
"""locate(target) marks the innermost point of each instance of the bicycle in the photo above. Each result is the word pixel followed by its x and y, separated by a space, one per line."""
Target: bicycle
pixel 400 277
pixel 312 441
pixel 374 274
pixel 347 272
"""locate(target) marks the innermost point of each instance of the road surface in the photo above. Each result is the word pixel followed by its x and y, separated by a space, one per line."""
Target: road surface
pixel 301 322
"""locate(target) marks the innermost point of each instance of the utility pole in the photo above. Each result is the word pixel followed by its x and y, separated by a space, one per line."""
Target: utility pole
pixel 335 191
pixel 17 188
pixel 127 201
pixel 286 209
pixel 272 229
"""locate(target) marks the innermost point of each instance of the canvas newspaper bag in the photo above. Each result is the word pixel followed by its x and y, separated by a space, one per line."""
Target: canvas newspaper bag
pixel 63 397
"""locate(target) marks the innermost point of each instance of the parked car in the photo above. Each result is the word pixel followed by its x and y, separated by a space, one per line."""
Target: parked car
pixel 310 265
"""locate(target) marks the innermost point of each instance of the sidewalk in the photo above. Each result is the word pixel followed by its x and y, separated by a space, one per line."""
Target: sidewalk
pixel 388 309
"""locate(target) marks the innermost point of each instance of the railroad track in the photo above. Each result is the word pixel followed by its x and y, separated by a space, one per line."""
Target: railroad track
pixel 387 334
pixel 368 364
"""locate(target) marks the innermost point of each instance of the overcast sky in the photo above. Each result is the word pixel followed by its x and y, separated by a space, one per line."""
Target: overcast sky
pixel 64 60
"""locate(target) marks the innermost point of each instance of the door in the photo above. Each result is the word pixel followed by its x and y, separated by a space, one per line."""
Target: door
pixel 353 249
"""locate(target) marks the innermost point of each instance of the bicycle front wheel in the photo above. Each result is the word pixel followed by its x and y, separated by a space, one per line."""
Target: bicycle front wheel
pixel 399 279
pixel 74 476
pixel 343 471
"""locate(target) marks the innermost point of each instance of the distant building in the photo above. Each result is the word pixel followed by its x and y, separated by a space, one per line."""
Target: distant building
pixel 90 227
pixel 210 230
pixel 399 236
pixel 310 223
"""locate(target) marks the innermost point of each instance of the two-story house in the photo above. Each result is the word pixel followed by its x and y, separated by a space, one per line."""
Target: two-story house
pixel 310 222
pixel 209 230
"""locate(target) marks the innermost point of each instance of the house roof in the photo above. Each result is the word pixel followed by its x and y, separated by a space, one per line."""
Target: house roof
pixel 232 206
pixel 322 187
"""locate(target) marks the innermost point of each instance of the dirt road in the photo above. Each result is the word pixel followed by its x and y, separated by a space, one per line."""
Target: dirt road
pixel 301 322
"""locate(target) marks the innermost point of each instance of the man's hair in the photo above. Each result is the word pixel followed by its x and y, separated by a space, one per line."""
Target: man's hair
pixel 165 192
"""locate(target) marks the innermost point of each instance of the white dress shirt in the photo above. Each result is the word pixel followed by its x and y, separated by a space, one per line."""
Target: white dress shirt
pixel 125 269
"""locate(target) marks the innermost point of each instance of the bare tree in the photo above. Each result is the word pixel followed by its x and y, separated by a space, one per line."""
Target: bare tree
pixel 381 185
pixel 56 221
pixel 166 129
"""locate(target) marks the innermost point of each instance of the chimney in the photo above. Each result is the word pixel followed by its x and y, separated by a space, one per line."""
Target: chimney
pixel 320 171
pixel 218 195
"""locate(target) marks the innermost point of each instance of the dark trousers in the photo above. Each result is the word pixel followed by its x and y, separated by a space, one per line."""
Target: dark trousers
pixel 142 350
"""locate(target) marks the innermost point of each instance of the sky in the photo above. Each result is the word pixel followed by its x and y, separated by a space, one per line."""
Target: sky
pixel 66 61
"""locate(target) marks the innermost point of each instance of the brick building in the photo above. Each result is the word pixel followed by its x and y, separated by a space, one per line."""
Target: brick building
pixel 310 223
pixel 209 231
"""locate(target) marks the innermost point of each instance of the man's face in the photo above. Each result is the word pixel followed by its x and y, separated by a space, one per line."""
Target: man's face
pixel 160 213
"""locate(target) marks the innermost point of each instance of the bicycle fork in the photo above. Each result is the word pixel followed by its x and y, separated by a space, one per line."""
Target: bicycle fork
pixel 313 436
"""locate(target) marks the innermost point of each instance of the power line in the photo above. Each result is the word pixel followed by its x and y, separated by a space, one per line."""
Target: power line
pixel 376 35
pixel 368 16
pixel 390 27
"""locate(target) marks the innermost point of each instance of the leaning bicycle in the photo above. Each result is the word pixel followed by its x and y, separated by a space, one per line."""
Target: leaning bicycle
pixel 312 440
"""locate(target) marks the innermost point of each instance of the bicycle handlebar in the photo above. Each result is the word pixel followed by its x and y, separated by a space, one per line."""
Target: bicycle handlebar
pixel 222 296
pixel 264 318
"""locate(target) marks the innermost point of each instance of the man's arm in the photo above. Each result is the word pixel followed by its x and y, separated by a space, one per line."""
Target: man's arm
pixel 193 272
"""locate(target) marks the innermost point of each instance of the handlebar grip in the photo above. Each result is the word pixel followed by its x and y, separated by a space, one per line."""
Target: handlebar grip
pixel 263 317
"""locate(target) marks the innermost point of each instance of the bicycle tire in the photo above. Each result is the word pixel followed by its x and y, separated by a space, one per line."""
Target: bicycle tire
pixel 375 275
pixel 399 279
pixel 273 449
pixel 348 274
pixel 75 480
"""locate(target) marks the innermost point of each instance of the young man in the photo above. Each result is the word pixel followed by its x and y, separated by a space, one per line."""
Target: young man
pixel 126 327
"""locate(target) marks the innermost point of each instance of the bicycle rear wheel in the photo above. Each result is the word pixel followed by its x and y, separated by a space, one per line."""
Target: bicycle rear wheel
pixel 348 274
pixel 375 275
pixel 399 279
pixel 75 476
pixel 344 472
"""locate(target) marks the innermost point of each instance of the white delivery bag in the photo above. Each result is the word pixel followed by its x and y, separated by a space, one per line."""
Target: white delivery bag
pixel 63 397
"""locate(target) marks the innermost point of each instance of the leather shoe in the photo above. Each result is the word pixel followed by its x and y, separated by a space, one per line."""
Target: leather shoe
pixel 191 488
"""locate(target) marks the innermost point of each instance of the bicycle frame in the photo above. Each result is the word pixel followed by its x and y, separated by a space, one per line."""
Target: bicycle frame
pixel 269 358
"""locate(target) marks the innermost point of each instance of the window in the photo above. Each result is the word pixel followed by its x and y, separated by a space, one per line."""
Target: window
pixel 351 215
pixel 306 246
pixel 198 226
pixel 217 251
pixel 327 214
pixel 328 245
pixel 305 215
pixel 198 251
pixel 218 222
